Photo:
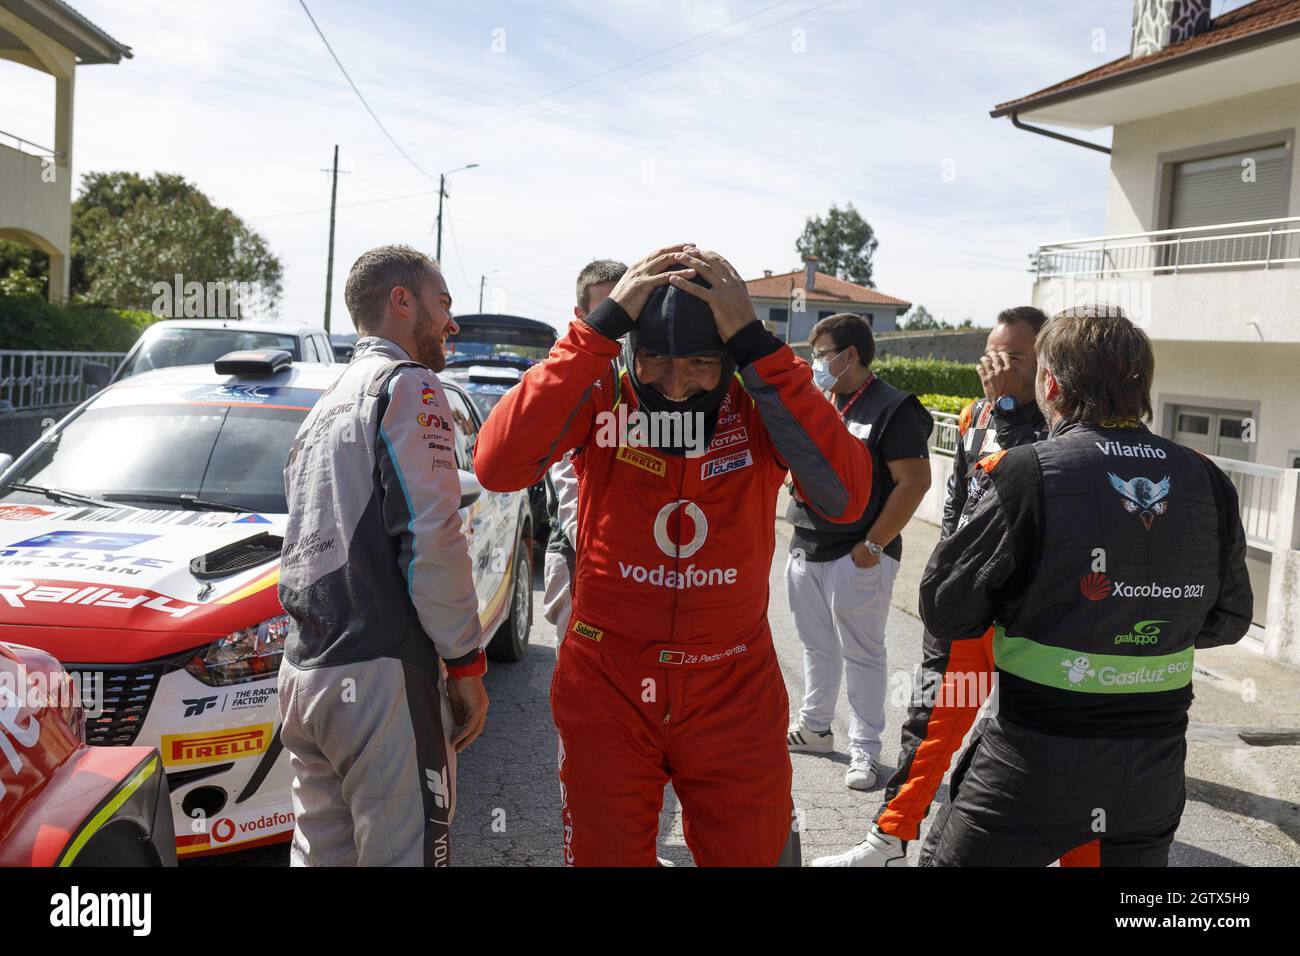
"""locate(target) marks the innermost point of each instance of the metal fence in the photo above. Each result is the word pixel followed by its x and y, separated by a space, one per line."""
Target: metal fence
pixel 943 440
pixel 1259 244
pixel 33 380
pixel 1258 486
pixel 1257 498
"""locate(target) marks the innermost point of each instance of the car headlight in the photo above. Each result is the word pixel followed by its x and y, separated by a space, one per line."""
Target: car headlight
pixel 247 654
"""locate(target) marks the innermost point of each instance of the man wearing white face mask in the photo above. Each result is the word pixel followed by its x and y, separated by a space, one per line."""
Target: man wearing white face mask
pixel 840 578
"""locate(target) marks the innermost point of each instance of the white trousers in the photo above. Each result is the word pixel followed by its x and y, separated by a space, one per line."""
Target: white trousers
pixel 557 599
pixel 840 612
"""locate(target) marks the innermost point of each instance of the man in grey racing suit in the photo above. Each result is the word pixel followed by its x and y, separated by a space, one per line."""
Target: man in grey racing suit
pixel 376 576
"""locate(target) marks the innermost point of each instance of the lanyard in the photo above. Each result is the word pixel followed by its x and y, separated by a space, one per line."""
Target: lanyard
pixel 871 377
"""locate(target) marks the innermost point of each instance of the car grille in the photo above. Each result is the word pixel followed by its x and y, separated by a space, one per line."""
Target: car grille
pixel 127 694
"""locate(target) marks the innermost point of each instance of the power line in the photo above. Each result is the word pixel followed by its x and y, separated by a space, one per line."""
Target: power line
pixel 460 262
pixel 635 76
pixel 596 76
pixel 349 205
pixel 372 113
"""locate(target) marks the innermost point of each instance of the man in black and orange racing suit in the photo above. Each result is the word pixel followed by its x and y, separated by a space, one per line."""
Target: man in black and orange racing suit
pixel 667 671
pixel 957 676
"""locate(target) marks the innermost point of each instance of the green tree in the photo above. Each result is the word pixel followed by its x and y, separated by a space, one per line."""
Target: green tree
pixel 129 232
pixel 843 241
pixel 23 270
pixel 920 319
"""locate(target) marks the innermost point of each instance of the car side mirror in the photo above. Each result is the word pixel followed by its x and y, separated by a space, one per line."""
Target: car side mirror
pixel 470 489
pixel 96 374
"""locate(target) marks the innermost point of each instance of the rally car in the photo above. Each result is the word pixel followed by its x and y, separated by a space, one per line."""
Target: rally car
pixel 140 544
pixel 63 802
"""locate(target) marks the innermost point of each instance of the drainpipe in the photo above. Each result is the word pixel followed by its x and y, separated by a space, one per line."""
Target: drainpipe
pixel 1015 121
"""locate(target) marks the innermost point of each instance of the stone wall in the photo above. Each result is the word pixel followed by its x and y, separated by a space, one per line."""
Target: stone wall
pixel 964 346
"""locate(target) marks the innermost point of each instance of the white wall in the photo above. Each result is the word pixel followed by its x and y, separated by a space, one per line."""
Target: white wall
pixel 1260 372
pixel 1132 200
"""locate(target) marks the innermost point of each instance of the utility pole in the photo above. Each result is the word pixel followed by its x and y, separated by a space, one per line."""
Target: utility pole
pixel 329 267
pixel 442 193
pixel 482 281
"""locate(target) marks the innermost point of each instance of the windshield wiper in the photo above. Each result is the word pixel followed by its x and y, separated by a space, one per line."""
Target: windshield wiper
pixel 185 501
pixel 55 494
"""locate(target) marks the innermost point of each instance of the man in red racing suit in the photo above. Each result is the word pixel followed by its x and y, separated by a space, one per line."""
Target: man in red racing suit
pixel 667 671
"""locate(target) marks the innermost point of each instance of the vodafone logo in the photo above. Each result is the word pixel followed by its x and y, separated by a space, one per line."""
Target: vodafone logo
pixel 689 510
pixel 223 830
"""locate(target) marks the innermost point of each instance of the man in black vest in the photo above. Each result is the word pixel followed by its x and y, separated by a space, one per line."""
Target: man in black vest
pixel 840 577
pixel 1102 557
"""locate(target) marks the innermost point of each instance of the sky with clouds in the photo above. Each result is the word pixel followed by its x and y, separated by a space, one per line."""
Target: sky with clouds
pixel 604 130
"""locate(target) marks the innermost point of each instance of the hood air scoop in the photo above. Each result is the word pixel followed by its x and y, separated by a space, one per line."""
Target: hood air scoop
pixel 237 556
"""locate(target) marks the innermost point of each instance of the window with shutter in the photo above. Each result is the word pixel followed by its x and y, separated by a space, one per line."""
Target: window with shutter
pixel 1236 187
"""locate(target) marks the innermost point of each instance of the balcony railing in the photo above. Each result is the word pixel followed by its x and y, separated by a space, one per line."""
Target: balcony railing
pixel 1258 486
pixel 1261 244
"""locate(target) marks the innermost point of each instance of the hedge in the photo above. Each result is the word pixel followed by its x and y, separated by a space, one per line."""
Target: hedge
pixel 929 376
pixel 31 323
pixel 952 404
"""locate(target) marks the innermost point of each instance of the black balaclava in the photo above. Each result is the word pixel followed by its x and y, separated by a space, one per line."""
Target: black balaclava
pixel 677 324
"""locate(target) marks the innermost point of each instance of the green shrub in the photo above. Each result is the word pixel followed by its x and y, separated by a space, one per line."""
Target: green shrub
pixel 952 404
pixel 29 322
pixel 929 376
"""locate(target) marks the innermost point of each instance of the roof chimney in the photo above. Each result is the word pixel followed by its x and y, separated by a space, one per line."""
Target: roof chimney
pixel 1162 23
pixel 767 273
pixel 810 274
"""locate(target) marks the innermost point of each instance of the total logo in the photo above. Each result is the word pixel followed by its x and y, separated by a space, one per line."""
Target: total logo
pixel 690 576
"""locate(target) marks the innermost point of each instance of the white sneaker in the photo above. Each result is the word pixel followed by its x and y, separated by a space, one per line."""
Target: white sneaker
pixel 878 849
pixel 800 739
pixel 862 772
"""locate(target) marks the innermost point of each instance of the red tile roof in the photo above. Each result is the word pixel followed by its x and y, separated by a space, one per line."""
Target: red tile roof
pixel 1230 32
pixel 825 289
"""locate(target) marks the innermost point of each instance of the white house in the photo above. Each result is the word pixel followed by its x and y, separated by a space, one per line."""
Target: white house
pixel 35 179
pixel 791 303
pixel 1202 248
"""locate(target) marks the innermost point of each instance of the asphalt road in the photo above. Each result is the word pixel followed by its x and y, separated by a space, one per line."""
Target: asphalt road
pixel 1243 803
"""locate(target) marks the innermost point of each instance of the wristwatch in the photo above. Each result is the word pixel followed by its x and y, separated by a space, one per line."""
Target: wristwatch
pixel 1006 404
pixel 873 549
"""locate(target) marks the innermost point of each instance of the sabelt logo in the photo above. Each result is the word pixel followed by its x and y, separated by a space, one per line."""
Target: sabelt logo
pixel 181 749
pixel 17 593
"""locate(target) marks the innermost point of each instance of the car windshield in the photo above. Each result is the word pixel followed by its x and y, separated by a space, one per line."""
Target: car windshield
pixel 230 454
pixel 486 401
pixel 164 348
